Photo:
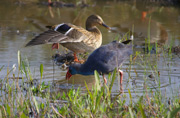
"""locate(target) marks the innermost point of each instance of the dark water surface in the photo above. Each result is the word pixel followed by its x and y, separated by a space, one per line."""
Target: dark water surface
pixel 20 22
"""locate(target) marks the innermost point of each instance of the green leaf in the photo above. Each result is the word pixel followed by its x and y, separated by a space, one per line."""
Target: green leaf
pixel 98 100
pixel 36 104
pixel 130 96
pixel 24 68
pixel 62 110
pixel 63 96
pixel 142 111
pixel 113 78
pixel 76 94
pixel 174 112
pixel 41 70
pixel 131 113
pixel 1 67
pixel 97 79
pixel 42 105
pixel 0 114
pixel 23 116
pixel 168 115
pixel 91 96
pixel 8 109
pixel 19 59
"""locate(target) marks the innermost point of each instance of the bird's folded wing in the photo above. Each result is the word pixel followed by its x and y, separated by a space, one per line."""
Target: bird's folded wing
pixel 48 37
pixel 73 34
pixel 76 34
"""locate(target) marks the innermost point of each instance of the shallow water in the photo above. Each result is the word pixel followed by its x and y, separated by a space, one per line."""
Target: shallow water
pixel 20 22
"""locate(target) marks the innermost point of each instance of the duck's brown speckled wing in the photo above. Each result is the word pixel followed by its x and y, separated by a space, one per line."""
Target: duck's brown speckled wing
pixel 62 33
pixel 48 37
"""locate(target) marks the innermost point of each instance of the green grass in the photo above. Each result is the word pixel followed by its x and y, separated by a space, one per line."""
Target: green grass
pixel 27 98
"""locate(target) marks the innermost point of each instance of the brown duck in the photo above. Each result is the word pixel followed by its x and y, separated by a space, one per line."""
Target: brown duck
pixel 75 38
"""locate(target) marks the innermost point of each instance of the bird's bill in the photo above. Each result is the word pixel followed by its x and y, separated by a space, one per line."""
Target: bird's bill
pixel 55 46
pixel 106 26
pixel 68 75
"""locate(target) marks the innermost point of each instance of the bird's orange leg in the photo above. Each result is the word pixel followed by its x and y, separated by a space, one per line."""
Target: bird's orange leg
pixel 75 58
pixel 121 79
pixel 55 46
pixel 121 76
pixel 105 80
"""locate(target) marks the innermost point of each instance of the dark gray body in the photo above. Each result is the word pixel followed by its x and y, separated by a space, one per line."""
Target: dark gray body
pixel 104 59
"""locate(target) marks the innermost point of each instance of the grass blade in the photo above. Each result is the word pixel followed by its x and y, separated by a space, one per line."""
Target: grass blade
pixel 97 79
pixel 1 67
pixel 23 116
pixel 174 112
pixel 41 70
pixel 130 96
pixel 98 100
pixel 8 110
pixel 36 104
pixel 113 78
pixel 142 111
pixel 131 113
pixel 91 96
pixel 19 59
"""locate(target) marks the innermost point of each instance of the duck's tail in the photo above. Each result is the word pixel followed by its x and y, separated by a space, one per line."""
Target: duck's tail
pixel 129 40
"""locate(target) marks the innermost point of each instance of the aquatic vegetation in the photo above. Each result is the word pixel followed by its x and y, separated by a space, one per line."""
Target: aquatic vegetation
pixel 151 77
pixel 24 96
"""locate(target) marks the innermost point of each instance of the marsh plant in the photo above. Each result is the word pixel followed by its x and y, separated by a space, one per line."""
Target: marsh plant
pixel 24 96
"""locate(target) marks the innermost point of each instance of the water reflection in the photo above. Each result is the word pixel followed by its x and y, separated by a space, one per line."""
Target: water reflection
pixel 20 23
pixel 77 81
pixel 145 30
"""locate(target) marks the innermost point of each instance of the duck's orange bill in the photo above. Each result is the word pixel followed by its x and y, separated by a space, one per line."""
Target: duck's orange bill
pixel 68 75
pixel 55 46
